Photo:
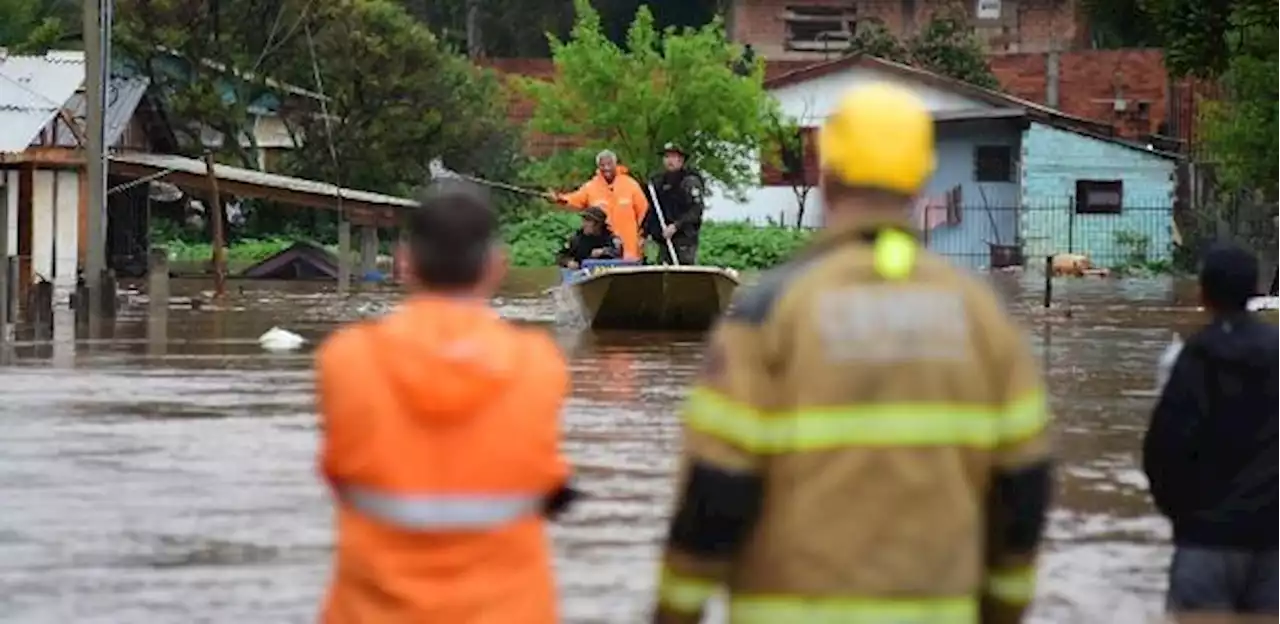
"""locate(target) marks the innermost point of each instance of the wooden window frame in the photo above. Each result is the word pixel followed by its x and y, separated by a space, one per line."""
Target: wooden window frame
pixel 1085 190
pixel 844 18
pixel 983 171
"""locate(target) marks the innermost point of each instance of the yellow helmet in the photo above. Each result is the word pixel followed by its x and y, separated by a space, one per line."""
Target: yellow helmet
pixel 880 136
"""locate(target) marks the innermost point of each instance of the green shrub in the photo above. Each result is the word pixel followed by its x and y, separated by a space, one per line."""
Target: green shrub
pixel 534 242
pixel 244 250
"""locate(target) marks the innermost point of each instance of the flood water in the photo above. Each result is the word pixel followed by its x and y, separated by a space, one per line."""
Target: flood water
pixel 166 473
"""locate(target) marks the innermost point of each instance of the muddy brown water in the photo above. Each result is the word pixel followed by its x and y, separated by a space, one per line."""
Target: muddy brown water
pixel 165 471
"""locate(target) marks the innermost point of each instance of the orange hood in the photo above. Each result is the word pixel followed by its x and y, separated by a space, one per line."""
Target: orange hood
pixel 445 358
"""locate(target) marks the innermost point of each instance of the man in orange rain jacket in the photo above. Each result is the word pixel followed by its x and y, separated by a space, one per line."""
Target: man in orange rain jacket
pixel 620 196
pixel 441 441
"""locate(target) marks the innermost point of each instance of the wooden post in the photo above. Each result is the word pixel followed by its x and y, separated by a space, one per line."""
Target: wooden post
pixel 158 306
pixel 368 249
pixel 344 254
pixel 97 48
pixel 4 258
pixel 158 278
pixel 219 237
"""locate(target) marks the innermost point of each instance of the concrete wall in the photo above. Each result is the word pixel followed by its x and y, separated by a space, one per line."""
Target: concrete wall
pixel 1053 160
pixel 988 209
pixel 55 229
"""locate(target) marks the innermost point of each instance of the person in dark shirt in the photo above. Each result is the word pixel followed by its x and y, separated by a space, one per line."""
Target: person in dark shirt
pixel 1210 452
pixel 594 241
pixel 681 195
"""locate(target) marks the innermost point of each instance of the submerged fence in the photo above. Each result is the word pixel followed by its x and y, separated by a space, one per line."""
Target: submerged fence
pixel 1154 237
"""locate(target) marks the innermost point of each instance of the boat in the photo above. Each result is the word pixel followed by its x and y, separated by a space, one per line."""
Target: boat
pixel 620 294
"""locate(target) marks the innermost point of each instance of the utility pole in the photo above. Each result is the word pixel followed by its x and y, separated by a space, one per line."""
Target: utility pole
pixel 97 52
pixel 475 40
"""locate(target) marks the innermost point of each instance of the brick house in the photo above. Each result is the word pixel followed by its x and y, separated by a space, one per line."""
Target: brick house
pixel 821 29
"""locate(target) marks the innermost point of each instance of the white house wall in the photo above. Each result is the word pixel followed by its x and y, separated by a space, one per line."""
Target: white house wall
pixel 11 188
pixel 764 206
pixel 811 101
pixel 66 233
pixel 43 190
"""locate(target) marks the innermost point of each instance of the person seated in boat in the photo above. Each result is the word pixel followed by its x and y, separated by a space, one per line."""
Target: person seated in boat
pixel 594 241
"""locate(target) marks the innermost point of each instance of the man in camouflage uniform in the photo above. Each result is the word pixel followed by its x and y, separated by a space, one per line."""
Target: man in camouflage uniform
pixel 867 442
pixel 682 195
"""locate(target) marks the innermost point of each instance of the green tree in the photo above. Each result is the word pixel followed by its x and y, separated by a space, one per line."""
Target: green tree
pixel 661 86
pixel 210 61
pixel 35 26
pixel 1202 38
pixel 947 46
pixel 398 99
pixel 1239 130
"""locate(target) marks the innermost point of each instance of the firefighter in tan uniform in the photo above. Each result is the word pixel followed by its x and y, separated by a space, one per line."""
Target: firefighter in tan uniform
pixel 867 441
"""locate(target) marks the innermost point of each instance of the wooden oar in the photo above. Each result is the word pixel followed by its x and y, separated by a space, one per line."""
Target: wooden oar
pixel 662 221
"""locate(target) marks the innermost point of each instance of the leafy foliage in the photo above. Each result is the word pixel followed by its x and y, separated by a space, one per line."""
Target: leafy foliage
pixel 669 86
pixel 1201 38
pixel 1121 24
pixel 397 100
pixel 35 26
pixel 534 242
pixel 945 45
pixel 1239 131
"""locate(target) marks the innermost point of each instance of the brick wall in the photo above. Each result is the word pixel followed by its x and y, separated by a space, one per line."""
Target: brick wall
pixel 1089 82
pixel 1025 25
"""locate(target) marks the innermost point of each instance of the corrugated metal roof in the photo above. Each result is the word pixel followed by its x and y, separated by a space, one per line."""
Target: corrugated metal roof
pixel 259 178
pixel 123 96
pixel 32 89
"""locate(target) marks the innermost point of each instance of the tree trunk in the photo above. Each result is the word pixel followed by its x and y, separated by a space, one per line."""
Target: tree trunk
pixel 475 43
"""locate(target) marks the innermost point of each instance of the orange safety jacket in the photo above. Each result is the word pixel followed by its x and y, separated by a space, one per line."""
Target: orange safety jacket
pixel 441 448
pixel 624 204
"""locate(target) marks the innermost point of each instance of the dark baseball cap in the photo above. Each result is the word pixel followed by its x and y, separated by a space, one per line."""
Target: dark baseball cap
pixel 1229 276
pixel 672 147
pixel 595 214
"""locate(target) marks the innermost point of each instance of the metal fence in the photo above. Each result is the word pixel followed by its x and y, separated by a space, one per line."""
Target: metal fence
pixel 1153 236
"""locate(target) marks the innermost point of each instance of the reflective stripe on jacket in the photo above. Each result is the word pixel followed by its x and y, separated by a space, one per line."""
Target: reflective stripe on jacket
pixel 893 424
pixel 441 436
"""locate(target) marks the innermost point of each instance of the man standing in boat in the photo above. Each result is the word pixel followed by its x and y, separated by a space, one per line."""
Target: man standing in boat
pixel 620 195
pixel 681 196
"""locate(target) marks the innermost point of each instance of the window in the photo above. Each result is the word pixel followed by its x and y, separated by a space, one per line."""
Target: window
pixel 993 163
pixel 795 170
pixel 1099 196
pixel 820 28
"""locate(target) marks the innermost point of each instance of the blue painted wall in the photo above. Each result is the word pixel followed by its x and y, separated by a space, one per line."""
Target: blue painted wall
pixel 1053 160
pixel 988 210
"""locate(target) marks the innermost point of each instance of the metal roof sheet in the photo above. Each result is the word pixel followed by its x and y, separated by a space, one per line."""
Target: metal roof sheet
pixel 248 176
pixel 123 96
pixel 32 89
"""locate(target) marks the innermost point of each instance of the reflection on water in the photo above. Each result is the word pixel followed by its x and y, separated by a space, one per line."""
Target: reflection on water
pixel 164 473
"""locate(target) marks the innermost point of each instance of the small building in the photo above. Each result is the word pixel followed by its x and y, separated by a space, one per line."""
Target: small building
pixel 1013 178
pixel 43 178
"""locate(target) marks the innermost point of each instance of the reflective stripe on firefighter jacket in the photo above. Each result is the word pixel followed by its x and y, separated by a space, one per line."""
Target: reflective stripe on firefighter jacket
pixel 441 439
pixel 881 427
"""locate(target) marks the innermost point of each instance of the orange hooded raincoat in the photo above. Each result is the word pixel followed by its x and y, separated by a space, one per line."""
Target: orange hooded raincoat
pixel 624 204
pixel 441 446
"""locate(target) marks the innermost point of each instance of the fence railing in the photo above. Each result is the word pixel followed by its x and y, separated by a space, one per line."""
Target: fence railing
pixel 1154 236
